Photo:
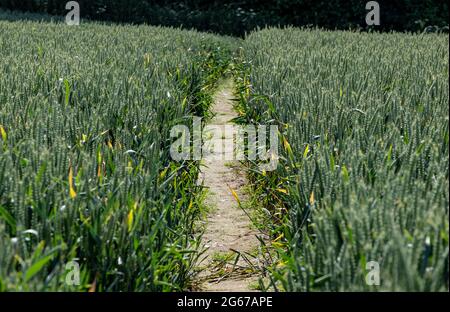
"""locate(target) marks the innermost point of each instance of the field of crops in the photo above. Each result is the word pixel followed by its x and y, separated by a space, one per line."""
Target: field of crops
pixel 85 171
pixel 87 181
pixel 364 175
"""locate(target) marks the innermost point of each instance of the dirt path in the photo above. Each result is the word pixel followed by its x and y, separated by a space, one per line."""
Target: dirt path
pixel 228 228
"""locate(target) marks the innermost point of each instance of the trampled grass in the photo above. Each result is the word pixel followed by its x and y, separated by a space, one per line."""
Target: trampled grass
pixel 364 175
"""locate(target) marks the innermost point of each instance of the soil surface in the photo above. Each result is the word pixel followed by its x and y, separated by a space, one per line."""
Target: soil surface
pixel 232 246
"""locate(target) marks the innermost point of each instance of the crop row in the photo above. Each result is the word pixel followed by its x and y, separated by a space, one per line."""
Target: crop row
pixel 86 180
pixel 361 191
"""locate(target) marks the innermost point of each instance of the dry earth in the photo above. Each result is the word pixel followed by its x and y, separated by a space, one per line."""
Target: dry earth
pixel 231 242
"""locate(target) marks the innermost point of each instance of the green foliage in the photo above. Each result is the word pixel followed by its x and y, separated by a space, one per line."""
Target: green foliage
pixel 85 170
pixel 364 167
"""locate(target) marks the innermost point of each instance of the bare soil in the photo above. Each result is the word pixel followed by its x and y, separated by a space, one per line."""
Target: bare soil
pixel 232 246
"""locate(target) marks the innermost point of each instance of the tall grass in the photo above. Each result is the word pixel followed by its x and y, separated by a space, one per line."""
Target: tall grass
pixel 364 174
pixel 85 171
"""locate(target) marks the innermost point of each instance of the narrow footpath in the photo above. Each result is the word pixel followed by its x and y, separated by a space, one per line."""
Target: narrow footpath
pixel 232 246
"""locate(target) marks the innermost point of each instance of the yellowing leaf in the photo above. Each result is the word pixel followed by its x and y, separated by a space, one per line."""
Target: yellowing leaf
pixel 3 133
pixel 287 146
pixel 235 195
pixel 72 192
pixel 99 165
pixel 277 244
pixel 131 216
pixel 311 199
pixel 305 153
pixel 281 264
pixel 282 191
pixel 279 237
pixel 93 286
pixel 163 173
pixel 130 220
pixel 83 139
